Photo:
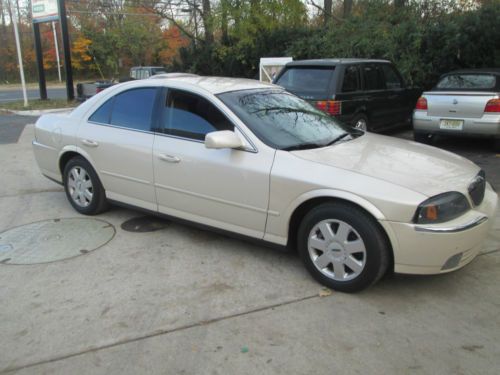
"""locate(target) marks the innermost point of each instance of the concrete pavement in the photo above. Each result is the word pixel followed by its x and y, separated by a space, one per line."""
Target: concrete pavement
pixel 185 301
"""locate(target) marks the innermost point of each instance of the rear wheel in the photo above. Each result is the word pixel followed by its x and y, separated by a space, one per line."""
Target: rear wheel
pixel 83 187
pixel 496 144
pixel 343 247
pixel 425 138
pixel 360 122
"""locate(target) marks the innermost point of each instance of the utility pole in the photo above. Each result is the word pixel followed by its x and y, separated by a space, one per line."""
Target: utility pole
pixel 70 91
pixel 56 46
pixel 19 54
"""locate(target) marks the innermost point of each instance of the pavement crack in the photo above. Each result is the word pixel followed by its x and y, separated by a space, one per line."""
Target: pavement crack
pixel 30 192
pixel 158 333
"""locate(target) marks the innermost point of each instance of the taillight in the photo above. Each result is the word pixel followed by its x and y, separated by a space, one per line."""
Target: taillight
pixel 421 104
pixel 332 107
pixel 493 105
pixel 99 89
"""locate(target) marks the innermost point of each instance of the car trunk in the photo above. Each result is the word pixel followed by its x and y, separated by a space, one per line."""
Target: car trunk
pixel 457 104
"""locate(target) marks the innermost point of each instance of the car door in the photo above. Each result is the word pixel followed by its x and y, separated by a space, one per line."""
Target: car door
pixel 375 94
pixel 398 110
pixel 118 140
pixel 223 188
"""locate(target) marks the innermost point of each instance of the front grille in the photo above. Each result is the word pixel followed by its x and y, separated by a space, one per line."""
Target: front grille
pixel 477 187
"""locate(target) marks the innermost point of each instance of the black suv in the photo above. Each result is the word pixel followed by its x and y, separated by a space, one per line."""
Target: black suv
pixel 368 94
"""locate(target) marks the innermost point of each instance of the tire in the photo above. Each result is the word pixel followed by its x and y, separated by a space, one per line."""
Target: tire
pixel 83 187
pixel 423 138
pixel 496 145
pixel 345 264
pixel 361 122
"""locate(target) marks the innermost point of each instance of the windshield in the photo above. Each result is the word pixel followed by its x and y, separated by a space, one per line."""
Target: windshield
pixel 284 121
pixel 307 82
pixel 467 82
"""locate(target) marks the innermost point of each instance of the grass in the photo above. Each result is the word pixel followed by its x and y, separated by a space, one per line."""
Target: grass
pixel 38 104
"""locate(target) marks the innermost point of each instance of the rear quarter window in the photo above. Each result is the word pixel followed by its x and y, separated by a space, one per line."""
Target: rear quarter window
pixel 307 82
pixel 467 82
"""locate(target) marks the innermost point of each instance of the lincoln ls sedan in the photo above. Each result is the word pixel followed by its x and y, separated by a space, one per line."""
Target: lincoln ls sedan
pixel 251 159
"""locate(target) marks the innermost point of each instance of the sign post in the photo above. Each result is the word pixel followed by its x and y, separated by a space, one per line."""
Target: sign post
pixel 46 11
pixel 19 54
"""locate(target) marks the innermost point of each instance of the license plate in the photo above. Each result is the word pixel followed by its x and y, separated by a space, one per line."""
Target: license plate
pixel 451 124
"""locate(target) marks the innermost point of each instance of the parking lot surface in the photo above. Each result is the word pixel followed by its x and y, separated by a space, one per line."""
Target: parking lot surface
pixel 163 298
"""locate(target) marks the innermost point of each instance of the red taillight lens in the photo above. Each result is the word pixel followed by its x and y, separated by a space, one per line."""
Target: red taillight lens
pixel 332 107
pixel 421 104
pixel 493 105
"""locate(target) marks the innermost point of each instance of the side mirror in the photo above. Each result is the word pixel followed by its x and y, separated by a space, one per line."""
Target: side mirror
pixel 223 139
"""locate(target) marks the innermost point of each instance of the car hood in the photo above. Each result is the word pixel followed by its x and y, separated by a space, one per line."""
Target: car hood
pixel 418 167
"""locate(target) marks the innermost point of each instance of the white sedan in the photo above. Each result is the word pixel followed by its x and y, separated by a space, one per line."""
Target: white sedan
pixel 254 160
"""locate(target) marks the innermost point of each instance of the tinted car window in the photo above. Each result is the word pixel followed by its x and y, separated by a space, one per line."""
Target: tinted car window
pixel 133 109
pixel 308 83
pixel 351 79
pixel 373 78
pixel 103 114
pixel 392 80
pixel 467 81
pixel 191 116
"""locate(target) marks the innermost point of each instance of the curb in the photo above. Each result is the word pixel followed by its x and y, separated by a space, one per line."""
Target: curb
pixel 39 112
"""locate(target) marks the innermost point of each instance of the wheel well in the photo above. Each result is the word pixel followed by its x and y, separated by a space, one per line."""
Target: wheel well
pixel 308 205
pixel 67 156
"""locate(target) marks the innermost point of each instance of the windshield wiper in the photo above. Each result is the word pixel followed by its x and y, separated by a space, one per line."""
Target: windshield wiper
pixel 301 146
pixel 335 140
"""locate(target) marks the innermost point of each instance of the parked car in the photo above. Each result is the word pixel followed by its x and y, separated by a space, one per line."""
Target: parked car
pixel 143 72
pixel 367 94
pixel 85 90
pixel 463 103
pixel 251 159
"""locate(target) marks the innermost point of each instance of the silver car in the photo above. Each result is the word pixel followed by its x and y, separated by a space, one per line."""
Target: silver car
pixel 465 102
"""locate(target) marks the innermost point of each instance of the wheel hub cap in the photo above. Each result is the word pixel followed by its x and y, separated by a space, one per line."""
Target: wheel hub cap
pixel 80 186
pixel 337 250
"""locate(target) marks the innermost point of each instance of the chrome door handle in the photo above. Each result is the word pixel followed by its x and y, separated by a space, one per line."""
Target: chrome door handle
pixel 90 143
pixel 169 158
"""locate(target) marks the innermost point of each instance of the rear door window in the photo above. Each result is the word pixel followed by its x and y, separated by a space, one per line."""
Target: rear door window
pixel 392 79
pixel 373 78
pixel 191 116
pixel 307 82
pixel 351 79
pixel 133 109
pixel 467 82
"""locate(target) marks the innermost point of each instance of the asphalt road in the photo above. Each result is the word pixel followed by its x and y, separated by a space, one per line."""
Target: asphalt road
pixel 17 94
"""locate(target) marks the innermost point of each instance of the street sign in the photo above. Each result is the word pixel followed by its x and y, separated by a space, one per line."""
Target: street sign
pixel 44 10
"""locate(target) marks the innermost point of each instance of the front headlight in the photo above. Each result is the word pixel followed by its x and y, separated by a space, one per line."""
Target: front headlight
pixel 441 208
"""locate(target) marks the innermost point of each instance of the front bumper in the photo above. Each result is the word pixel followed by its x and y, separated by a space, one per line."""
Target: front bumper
pixel 487 125
pixel 440 248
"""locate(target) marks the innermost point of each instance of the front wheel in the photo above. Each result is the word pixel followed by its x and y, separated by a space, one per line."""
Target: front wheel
pixel 342 247
pixel 83 187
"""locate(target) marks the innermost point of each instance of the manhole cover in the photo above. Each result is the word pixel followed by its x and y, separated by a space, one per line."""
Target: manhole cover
pixel 51 240
pixel 144 224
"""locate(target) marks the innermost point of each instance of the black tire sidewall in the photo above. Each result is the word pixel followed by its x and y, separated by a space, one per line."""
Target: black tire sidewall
pixel 359 117
pixel 98 196
pixel 367 228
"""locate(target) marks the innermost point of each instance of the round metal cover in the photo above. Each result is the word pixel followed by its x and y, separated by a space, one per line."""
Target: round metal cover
pixel 52 240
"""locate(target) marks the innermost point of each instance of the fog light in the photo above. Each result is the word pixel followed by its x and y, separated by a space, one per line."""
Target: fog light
pixel 452 262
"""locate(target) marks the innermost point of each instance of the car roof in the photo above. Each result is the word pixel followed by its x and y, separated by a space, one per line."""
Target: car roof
pixel 330 62
pixel 216 85
pixel 478 70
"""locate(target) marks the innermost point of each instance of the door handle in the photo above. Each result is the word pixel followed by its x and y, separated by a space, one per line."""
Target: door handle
pixel 90 143
pixel 169 158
